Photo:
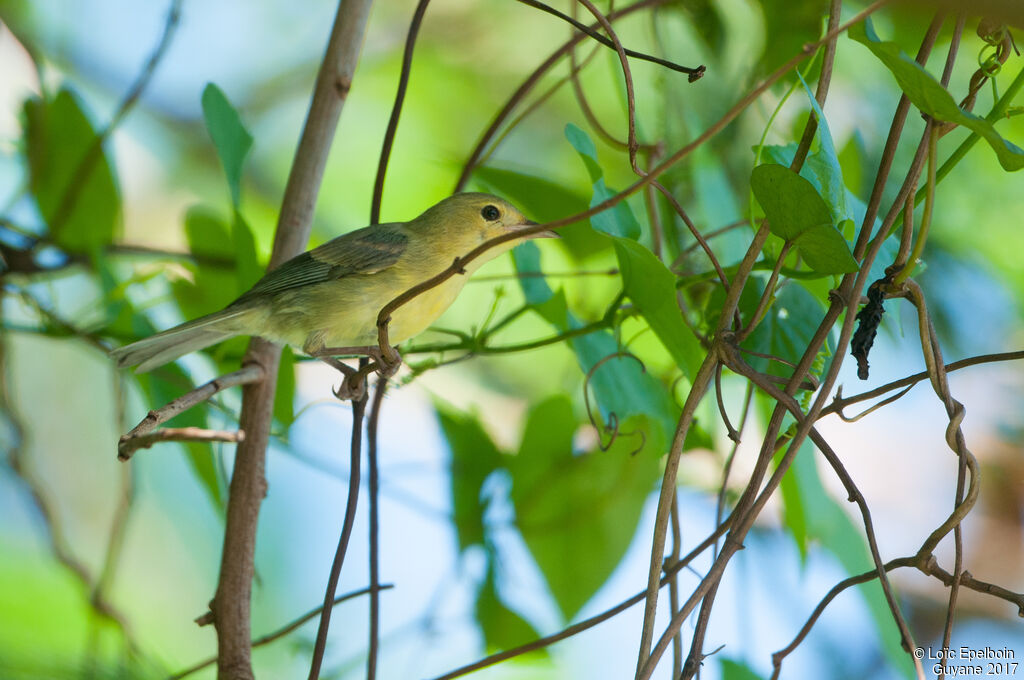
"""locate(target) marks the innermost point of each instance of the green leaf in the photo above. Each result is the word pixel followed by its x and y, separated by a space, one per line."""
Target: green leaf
pixel 786 328
pixel 797 213
pixel 577 513
pixel 584 145
pixel 473 458
pixel 502 628
pixel 652 288
pixel 929 96
pixel 229 136
pixel 544 201
pixel 70 176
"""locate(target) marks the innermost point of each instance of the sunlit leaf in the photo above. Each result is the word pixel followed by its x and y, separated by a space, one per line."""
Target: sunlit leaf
pixel 651 287
pixel 928 94
pixel 229 136
pixel 577 512
pixel 70 176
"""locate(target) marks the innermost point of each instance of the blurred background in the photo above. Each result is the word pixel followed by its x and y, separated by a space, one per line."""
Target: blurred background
pixel 66 405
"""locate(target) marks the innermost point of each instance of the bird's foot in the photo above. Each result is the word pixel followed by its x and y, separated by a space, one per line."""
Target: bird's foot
pixel 387 365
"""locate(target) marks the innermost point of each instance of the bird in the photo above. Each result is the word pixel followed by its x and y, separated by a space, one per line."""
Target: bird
pixel 330 296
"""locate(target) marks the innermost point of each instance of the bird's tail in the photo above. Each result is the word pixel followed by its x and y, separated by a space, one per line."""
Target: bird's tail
pixel 167 346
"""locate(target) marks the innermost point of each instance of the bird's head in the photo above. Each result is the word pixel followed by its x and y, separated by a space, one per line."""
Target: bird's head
pixel 466 220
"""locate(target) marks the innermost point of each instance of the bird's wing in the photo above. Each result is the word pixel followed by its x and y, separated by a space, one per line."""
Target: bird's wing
pixel 364 251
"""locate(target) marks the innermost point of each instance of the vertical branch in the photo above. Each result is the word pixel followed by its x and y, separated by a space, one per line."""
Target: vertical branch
pixel 231 603
pixel 358 408
pixel 371 462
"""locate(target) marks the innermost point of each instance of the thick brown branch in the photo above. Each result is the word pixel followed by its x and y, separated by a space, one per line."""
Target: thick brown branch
pixel 230 604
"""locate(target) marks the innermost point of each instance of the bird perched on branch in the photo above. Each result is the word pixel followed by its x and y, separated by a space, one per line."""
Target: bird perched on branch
pixel 330 296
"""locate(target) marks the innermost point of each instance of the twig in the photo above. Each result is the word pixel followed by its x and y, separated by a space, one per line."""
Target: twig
pixel 129 442
pixel 176 434
pixel 840 402
pixel 280 632
pixel 230 604
pixel 524 88
pixel 692 73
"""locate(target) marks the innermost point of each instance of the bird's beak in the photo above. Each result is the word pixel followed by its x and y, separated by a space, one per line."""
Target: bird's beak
pixel 530 223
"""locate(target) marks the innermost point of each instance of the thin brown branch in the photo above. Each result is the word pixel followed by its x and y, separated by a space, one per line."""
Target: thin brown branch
pixel 374 493
pixel 396 110
pixel 140 436
pixel 355 459
pixel 527 85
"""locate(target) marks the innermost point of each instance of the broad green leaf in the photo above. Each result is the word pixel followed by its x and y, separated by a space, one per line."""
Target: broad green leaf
pixel 618 220
pixel 473 458
pixel 577 512
pixel 652 288
pixel 584 145
pixel 229 136
pixel 70 176
pixel 284 396
pixel 544 201
pixel 502 628
pixel 797 213
pixel 930 97
pixel 620 385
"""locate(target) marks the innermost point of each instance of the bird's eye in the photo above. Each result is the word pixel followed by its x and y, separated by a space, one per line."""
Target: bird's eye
pixel 490 213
